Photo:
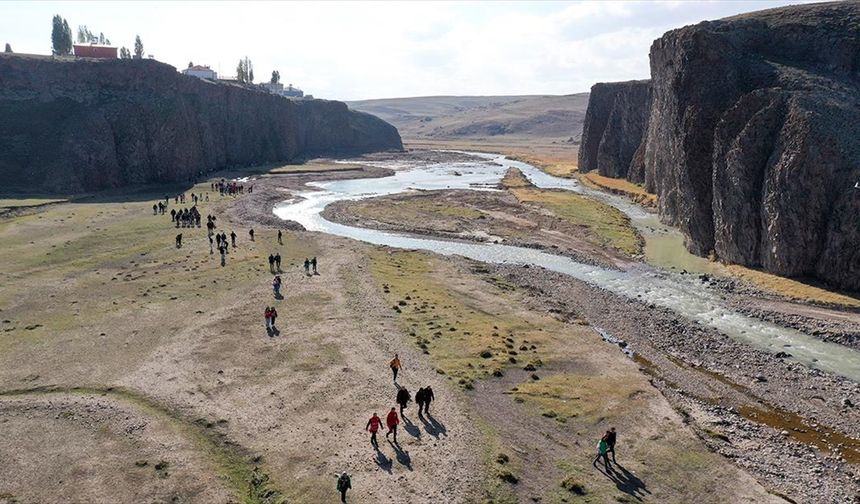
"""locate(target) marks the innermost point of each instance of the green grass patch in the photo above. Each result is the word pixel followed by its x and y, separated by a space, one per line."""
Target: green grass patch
pixel 564 396
pixel 465 339
pixel 607 226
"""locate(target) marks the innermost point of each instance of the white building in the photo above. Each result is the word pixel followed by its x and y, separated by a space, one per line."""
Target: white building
pixel 201 72
pixel 274 88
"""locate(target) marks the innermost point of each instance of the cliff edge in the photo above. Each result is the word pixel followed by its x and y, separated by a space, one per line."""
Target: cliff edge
pixel 752 142
pixel 86 124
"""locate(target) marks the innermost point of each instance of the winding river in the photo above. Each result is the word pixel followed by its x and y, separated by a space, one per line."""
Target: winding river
pixel 681 293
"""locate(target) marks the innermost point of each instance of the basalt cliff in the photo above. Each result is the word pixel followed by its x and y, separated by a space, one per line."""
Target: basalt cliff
pixel 85 124
pixel 751 139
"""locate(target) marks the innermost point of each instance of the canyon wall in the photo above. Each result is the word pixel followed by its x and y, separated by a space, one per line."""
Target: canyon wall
pixel 753 139
pixel 72 125
pixel 615 123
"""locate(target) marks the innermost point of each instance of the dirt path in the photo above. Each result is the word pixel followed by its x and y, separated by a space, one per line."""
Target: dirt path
pixel 301 399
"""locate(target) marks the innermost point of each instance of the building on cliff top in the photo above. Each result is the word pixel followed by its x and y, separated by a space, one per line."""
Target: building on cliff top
pixel 201 72
pixel 95 51
pixel 292 92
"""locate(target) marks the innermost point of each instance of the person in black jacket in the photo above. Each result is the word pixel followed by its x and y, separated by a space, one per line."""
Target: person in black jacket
pixel 403 399
pixel 428 398
pixel 611 437
pixel 420 399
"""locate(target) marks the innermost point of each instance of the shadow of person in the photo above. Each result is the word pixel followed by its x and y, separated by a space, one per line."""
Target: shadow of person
pixel 434 427
pixel 275 331
pixel 410 427
pixel 402 455
pixel 279 296
pixel 627 482
pixel 269 332
pixel 382 461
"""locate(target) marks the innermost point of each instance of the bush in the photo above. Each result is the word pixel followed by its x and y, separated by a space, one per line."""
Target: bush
pixel 572 485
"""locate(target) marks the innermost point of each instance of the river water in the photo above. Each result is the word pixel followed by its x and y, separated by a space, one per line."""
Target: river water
pixel 680 293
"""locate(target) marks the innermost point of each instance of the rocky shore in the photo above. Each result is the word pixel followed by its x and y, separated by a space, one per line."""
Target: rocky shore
pixel 794 427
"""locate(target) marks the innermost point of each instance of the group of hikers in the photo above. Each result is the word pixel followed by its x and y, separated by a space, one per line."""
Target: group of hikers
pixel 423 397
pixel 271 314
pixel 185 217
pixel 275 262
pixel 311 263
pixel 605 446
pixel 228 188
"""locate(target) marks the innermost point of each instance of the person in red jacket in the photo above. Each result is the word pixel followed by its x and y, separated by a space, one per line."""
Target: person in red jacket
pixel 373 426
pixel 391 421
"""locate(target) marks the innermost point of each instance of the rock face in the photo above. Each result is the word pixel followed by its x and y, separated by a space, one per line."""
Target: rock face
pixel 614 125
pixel 79 125
pixel 753 139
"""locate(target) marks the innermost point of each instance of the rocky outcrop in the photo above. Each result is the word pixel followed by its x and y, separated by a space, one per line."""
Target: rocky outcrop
pixel 753 139
pixel 75 125
pixel 614 126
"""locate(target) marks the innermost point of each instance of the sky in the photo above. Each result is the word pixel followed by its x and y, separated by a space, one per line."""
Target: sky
pixel 362 50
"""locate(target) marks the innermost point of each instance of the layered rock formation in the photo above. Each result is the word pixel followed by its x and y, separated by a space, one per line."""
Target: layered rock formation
pixel 614 125
pixel 753 139
pixel 72 125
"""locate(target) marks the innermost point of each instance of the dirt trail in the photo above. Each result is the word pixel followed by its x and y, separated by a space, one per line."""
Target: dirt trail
pixel 301 399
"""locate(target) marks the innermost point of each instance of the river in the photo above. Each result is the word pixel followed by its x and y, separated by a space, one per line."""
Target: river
pixel 682 294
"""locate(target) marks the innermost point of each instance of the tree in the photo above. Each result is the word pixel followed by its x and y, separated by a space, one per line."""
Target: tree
pixel 67 37
pixel 240 71
pixel 8 48
pixel 61 36
pixel 276 77
pixel 138 47
pixel 124 53
pixel 245 71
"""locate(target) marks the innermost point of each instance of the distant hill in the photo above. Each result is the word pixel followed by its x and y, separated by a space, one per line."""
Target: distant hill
pixel 464 117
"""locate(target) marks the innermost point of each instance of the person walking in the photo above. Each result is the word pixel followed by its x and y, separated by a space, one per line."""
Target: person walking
pixel 428 398
pixel 611 437
pixel 343 484
pixel 233 238
pixel 395 366
pixel 314 265
pixel 179 240
pixel 602 448
pixel 278 261
pixel 276 286
pixel 391 421
pixel 403 399
pixel 268 315
pixel 280 238
pixel 307 266
pixel 172 214
pixel 271 263
pixel 251 233
pixel 419 400
pixel 274 317
pixel 373 426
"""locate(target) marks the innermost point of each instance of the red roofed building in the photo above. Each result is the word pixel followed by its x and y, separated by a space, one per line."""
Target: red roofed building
pixel 95 51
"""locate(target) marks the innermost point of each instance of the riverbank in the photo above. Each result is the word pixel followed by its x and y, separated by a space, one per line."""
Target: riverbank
pixel 182 337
